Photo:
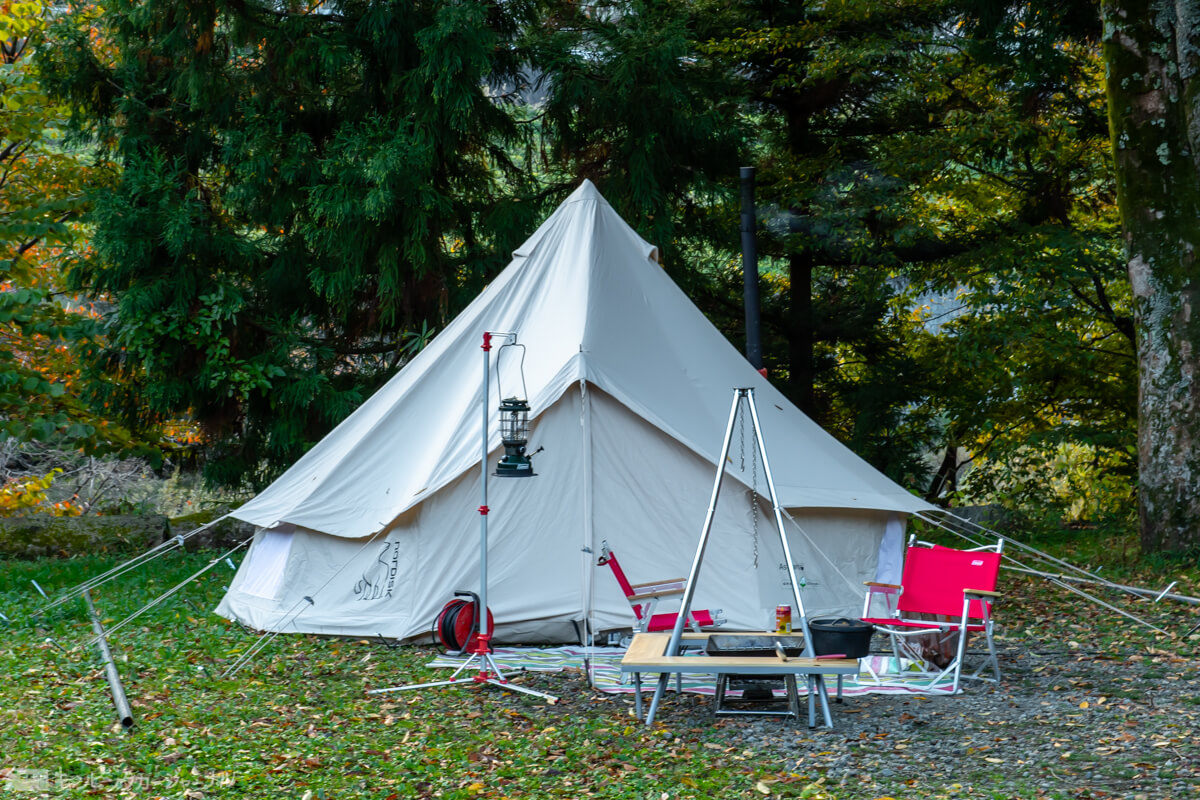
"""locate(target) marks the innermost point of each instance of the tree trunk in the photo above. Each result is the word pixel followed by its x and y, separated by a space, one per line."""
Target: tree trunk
pixel 801 334
pixel 1152 54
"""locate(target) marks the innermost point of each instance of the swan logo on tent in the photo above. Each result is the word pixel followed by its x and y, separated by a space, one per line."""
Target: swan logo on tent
pixel 785 579
pixel 379 578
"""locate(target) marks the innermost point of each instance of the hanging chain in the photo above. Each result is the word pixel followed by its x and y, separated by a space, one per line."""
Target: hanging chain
pixel 753 471
pixel 754 498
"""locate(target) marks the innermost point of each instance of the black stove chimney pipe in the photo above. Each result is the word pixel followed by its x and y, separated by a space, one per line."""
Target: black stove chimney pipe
pixel 750 270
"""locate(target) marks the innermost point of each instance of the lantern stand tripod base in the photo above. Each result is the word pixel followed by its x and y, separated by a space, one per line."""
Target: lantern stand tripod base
pixel 488 672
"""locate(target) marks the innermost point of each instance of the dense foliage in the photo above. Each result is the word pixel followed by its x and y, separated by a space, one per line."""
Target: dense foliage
pixel 308 192
pixel 46 332
pixel 40 193
pixel 945 231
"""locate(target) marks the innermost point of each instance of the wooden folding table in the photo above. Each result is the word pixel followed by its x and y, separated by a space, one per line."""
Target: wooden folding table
pixel 647 653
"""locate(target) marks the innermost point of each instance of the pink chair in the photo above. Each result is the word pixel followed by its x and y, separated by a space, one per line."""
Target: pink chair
pixel 958 587
pixel 643 599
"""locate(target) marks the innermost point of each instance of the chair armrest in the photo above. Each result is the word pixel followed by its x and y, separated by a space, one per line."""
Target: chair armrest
pixel 980 593
pixel 654 586
pixel 648 595
pixel 887 588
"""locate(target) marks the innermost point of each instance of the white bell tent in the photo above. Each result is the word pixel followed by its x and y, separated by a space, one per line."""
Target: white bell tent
pixel 630 388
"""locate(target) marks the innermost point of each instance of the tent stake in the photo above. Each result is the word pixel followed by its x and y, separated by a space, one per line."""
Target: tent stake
pixel 115 688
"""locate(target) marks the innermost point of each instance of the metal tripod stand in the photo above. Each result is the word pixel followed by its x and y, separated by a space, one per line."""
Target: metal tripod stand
pixel 816 681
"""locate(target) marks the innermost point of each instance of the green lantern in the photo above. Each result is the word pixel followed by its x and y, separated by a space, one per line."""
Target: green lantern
pixel 514 435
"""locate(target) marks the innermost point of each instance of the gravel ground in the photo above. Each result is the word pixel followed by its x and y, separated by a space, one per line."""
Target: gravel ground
pixel 1060 723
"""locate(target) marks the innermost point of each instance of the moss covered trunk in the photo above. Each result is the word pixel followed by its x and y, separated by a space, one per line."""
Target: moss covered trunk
pixel 1152 52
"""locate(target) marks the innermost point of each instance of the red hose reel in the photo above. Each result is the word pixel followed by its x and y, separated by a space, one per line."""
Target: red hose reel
pixel 455 624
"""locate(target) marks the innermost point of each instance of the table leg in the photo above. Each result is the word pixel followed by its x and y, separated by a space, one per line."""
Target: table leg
pixel 658 693
pixel 824 698
pixel 637 696
pixel 812 700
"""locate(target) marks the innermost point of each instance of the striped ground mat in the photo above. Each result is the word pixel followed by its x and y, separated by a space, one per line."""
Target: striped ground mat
pixel 604 664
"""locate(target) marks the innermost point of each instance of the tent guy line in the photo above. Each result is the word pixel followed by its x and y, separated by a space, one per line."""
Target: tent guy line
pixel 1037 554
pixel 1158 596
pixel 170 592
pixel 962 525
pixel 265 639
pixel 153 553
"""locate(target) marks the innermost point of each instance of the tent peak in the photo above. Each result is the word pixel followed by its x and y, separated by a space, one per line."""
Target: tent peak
pixel 586 191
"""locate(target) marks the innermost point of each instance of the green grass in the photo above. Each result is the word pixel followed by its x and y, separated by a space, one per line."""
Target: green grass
pixel 297 721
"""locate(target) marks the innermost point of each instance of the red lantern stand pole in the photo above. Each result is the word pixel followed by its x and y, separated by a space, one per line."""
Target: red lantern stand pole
pixel 480 643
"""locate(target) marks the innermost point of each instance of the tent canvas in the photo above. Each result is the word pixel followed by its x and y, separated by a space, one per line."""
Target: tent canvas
pixel 630 388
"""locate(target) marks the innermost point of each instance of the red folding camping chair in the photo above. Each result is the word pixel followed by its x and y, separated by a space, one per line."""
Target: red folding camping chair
pixel 957 588
pixel 643 599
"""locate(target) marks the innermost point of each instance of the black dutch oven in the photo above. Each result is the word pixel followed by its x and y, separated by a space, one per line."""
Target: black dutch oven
pixel 849 637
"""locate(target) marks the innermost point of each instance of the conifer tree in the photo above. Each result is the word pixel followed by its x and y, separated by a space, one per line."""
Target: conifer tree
pixel 306 191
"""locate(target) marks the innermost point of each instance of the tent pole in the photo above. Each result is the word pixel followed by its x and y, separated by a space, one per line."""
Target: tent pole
pixel 115 687
pixel 816 682
pixel 589 522
pixel 690 589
